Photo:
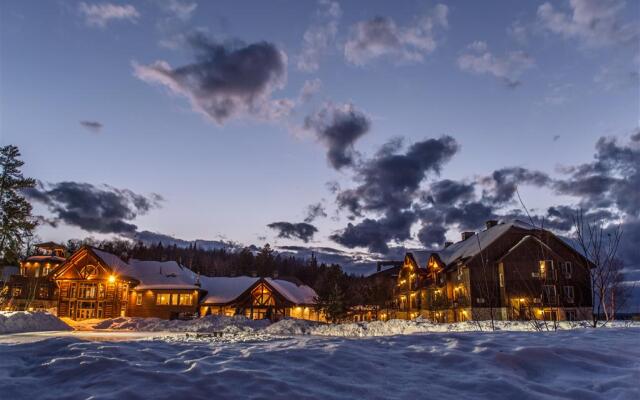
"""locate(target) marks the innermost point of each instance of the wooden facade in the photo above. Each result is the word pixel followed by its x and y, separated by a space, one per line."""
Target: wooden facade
pixel 523 274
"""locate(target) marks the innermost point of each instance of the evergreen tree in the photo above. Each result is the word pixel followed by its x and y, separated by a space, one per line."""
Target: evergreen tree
pixel 16 221
pixel 332 290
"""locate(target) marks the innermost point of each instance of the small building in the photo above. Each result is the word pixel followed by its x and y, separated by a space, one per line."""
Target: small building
pixel 258 298
pixel 32 287
pixel 509 271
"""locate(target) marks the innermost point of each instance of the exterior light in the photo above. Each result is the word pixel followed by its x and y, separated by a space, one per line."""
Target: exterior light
pixel 521 300
pixel 112 278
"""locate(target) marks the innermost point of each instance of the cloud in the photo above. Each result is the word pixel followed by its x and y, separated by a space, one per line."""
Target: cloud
pixel 382 37
pixel 93 126
pixel 102 209
pixel 612 179
pixel 315 211
pixel 319 37
pixel 503 182
pixel 302 230
pixel 479 60
pixel 375 234
pixel 309 89
pixel 594 23
pixel 100 15
pixel 338 126
pixel 448 191
pixel 181 10
pixel 390 180
pixel 226 80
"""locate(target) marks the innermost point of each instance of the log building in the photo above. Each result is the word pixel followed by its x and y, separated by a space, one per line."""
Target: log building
pixel 511 271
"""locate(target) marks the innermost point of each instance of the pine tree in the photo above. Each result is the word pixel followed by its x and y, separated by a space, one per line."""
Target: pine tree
pixel 16 221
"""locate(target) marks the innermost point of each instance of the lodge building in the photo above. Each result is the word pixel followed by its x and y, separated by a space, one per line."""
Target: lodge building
pixel 511 271
pixel 92 283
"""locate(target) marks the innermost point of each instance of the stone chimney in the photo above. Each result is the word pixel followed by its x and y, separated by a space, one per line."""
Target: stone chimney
pixel 447 244
pixel 466 235
pixel 491 223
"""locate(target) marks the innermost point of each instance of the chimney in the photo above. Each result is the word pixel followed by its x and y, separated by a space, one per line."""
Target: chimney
pixel 275 274
pixel 467 235
pixel 254 273
pixel 447 244
pixel 491 223
pixel 379 268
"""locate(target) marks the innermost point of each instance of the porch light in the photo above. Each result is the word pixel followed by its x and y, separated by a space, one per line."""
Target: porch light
pixel 112 278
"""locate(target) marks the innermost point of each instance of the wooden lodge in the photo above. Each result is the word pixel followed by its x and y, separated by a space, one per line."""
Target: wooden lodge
pixel 511 271
pixel 92 283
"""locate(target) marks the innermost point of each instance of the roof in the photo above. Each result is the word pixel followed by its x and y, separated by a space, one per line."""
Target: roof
pixel 54 259
pixel 223 290
pixel 421 257
pixel 151 274
pixel 50 245
pixel 472 246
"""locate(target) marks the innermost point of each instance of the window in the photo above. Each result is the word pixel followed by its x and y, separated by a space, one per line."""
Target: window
pixel 459 273
pixel 569 294
pixel 43 292
pixel 550 315
pixel 174 299
pixel 570 315
pixel 17 291
pixel 567 269
pixel 87 291
pixel 138 299
pixel 549 292
pixel 162 299
pixel 501 276
pixel 262 296
pixel 186 300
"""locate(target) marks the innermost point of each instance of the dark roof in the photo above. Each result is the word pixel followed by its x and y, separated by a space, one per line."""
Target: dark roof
pixel 50 245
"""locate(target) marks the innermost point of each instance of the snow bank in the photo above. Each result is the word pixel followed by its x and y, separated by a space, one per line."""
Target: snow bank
pixel 292 327
pixel 26 321
pixel 210 323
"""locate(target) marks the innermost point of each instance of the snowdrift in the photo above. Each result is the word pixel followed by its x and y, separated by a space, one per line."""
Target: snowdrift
pixel 211 323
pixel 290 327
pixel 26 321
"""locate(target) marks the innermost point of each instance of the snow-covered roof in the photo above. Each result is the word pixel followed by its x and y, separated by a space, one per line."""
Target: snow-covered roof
pixel 51 258
pixel 421 257
pixel 470 247
pixel 151 274
pixel 223 290
pixel 297 294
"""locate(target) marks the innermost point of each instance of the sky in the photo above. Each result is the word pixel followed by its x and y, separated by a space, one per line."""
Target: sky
pixel 353 126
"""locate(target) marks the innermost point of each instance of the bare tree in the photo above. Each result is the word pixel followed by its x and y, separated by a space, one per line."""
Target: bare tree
pixel 600 247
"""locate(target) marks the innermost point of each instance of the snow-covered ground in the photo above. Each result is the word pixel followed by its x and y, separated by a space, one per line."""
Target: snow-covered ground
pixel 580 363
pixel 25 321
pixel 136 358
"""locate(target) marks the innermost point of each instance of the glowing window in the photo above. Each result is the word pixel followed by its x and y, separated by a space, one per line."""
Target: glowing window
pixel 162 299
pixel 186 299
pixel 262 296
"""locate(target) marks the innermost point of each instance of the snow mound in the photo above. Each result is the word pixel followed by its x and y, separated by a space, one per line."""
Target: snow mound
pixel 27 321
pixel 210 323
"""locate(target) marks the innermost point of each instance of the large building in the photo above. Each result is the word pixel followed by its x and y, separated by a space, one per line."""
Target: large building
pixel 508 271
pixel 95 284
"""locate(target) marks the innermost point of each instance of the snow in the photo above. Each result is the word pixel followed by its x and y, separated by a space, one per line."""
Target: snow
pixel 223 290
pixel 26 321
pixel 577 363
pixel 210 323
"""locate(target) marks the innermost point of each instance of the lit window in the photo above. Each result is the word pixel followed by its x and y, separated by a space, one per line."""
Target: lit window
pixel 138 299
pixel 262 296
pixel 174 299
pixel 501 276
pixel 162 299
pixel 185 300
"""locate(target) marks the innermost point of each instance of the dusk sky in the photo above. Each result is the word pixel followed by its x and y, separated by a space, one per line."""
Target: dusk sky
pixel 378 123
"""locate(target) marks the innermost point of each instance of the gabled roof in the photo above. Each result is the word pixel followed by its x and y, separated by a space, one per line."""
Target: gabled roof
pixel 421 257
pixel 224 290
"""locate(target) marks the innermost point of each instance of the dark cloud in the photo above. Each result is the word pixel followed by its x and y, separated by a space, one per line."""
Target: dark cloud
pixel 314 211
pixel 431 235
pixel 390 181
pixel 448 191
pixel 338 127
pixel 227 79
pixel 101 209
pixel 301 230
pixel 375 234
pixel 504 182
pixel 93 126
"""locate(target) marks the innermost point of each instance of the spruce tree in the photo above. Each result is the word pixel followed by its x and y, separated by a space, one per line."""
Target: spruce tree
pixel 16 221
